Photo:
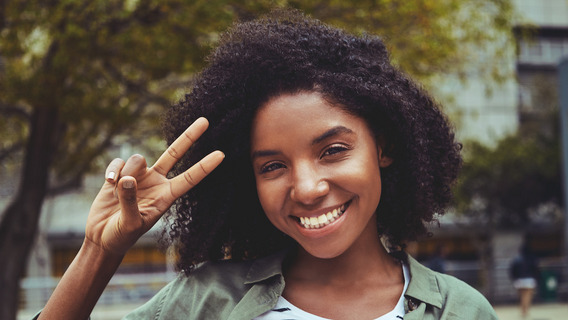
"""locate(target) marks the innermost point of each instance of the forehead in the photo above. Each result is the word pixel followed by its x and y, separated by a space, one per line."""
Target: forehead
pixel 296 116
pixel 297 108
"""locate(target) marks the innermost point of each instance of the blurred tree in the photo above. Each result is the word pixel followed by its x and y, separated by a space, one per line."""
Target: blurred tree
pixel 432 38
pixel 74 75
pixel 511 182
pixel 518 181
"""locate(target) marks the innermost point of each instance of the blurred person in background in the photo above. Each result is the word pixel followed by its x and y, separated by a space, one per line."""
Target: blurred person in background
pixel 525 274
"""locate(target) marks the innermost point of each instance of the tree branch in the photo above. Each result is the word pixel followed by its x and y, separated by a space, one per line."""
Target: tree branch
pixel 143 14
pixel 6 152
pixel 14 110
pixel 134 86
pixel 79 170
pixel 69 185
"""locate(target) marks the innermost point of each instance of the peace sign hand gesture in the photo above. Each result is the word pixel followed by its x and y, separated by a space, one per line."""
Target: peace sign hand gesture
pixel 134 197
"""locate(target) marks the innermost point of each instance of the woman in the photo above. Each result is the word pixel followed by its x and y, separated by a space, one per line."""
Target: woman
pixel 524 272
pixel 334 159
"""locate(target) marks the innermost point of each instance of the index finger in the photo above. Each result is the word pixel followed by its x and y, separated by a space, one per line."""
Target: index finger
pixel 180 146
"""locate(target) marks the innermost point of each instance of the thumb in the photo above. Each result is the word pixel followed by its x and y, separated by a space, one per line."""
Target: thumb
pixel 130 215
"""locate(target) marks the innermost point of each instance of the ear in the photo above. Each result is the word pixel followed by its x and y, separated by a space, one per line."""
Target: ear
pixel 384 159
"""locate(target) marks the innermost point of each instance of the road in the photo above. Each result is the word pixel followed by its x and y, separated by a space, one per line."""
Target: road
pixel 544 311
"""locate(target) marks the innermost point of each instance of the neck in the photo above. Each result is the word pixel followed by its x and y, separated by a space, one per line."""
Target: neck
pixel 365 260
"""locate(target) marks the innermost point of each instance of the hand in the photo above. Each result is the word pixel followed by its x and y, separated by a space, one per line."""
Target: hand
pixel 134 197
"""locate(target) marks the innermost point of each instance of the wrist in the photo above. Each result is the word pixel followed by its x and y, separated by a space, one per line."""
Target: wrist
pixel 92 253
pixel 83 283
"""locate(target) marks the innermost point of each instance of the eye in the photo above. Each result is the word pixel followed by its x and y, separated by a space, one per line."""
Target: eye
pixel 271 166
pixel 334 150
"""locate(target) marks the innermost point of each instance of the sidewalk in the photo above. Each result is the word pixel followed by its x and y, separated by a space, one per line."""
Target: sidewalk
pixel 542 311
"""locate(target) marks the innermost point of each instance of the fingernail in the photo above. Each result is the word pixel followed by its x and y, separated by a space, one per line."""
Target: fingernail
pixel 111 175
pixel 128 184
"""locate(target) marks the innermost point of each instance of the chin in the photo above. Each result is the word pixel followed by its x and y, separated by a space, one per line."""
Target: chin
pixel 324 253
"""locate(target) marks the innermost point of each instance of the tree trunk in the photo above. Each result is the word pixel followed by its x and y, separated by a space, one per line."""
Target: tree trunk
pixel 484 244
pixel 487 269
pixel 20 219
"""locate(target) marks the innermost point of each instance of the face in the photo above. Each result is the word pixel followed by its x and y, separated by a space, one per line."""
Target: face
pixel 317 171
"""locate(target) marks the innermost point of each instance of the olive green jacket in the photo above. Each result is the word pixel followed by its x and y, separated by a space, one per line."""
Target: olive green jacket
pixel 244 290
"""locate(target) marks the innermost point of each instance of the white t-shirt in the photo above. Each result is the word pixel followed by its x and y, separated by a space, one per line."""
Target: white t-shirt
pixel 284 310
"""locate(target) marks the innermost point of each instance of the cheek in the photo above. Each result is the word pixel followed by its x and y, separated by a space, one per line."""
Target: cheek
pixel 374 182
pixel 362 171
pixel 364 177
pixel 269 197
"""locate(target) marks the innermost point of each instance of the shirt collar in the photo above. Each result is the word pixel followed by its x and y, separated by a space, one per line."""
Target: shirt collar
pixel 423 284
pixel 266 267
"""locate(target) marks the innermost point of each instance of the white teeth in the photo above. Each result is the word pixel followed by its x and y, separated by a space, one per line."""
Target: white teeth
pixel 313 221
pixel 323 220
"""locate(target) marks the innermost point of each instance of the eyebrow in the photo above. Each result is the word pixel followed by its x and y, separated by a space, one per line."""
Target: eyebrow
pixel 264 153
pixel 332 132
pixel 329 133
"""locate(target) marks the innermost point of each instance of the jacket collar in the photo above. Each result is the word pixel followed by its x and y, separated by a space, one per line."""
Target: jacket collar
pixel 423 284
pixel 266 267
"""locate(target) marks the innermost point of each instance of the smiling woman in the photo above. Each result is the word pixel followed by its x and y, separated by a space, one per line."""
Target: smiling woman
pixel 329 152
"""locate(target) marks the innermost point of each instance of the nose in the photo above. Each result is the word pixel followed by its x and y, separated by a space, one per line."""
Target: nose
pixel 308 187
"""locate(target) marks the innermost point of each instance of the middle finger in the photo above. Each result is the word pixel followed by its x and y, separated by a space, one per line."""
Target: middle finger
pixel 180 146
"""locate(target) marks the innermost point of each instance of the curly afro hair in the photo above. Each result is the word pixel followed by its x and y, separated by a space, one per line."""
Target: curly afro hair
pixel 287 52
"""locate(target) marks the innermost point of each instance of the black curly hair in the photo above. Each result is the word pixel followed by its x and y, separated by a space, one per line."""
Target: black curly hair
pixel 287 52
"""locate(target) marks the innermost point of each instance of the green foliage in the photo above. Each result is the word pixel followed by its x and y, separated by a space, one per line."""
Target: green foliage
pixel 511 180
pixel 110 67
pixel 429 38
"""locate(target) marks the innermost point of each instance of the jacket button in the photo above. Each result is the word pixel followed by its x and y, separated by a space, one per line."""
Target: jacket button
pixel 412 304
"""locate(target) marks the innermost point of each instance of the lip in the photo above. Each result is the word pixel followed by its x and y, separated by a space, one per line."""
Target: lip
pixel 322 231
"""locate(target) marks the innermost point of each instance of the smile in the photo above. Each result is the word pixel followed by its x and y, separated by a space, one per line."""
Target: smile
pixel 324 219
